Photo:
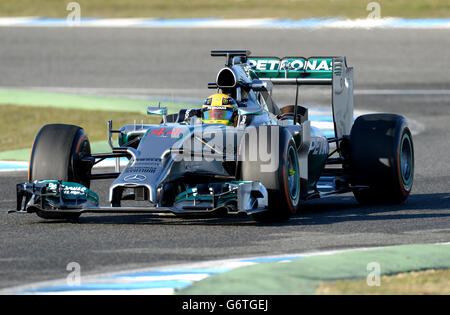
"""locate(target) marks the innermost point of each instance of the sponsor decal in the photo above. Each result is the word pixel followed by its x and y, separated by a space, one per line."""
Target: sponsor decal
pixel 141 170
pixel 216 107
pixel 135 178
pixel 291 64
pixel 318 146
pixel 166 132
pixel 68 190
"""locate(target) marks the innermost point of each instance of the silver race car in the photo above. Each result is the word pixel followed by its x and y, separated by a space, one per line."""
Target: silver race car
pixel 238 152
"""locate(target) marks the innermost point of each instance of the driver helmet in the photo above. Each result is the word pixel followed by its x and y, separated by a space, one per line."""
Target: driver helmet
pixel 220 109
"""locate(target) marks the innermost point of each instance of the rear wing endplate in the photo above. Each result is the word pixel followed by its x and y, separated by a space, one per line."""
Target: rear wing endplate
pixel 312 71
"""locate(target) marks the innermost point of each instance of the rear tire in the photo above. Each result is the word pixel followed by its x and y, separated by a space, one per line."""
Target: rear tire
pixel 282 184
pixel 56 155
pixel 382 157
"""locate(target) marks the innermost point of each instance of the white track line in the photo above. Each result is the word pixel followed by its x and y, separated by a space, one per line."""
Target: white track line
pixel 383 23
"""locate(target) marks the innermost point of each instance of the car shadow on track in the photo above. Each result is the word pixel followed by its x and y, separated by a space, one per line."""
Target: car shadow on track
pixel 315 212
pixel 346 209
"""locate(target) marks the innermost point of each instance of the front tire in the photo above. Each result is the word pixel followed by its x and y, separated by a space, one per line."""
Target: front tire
pixel 57 154
pixel 382 158
pixel 282 183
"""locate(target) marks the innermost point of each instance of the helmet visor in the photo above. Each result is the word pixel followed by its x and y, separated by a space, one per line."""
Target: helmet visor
pixel 217 113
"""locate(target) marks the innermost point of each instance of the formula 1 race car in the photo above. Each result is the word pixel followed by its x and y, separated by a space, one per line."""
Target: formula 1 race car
pixel 239 153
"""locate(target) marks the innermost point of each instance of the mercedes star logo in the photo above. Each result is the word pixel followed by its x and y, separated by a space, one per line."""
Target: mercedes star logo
pixel 135 178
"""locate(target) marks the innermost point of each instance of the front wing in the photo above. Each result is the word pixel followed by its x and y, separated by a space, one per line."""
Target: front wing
pixel 64 197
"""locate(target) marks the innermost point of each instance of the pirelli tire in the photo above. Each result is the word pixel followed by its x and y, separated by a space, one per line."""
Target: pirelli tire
pixel 279 174
pixel 382 158
pixel 57 154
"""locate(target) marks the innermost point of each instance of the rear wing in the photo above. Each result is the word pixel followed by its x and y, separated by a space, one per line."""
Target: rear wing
pixel 299 71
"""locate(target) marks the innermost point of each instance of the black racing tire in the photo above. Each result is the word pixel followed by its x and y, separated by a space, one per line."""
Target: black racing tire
pixel 382 158
pixel 56 155
pixel 283 183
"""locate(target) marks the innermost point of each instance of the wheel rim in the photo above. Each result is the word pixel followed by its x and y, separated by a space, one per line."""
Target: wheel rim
pixel 292 169
pixel 406 160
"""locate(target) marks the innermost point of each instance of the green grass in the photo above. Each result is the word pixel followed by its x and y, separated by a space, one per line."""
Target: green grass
pixel 293 9
pixel 21 123
pixel 420 282
pixel 83 102
pixel 312 275
pixel 25 112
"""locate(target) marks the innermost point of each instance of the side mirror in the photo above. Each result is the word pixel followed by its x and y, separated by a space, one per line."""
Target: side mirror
pixel 158 111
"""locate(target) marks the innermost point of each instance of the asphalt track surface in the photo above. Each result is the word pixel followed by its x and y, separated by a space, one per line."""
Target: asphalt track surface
pixel 177 60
